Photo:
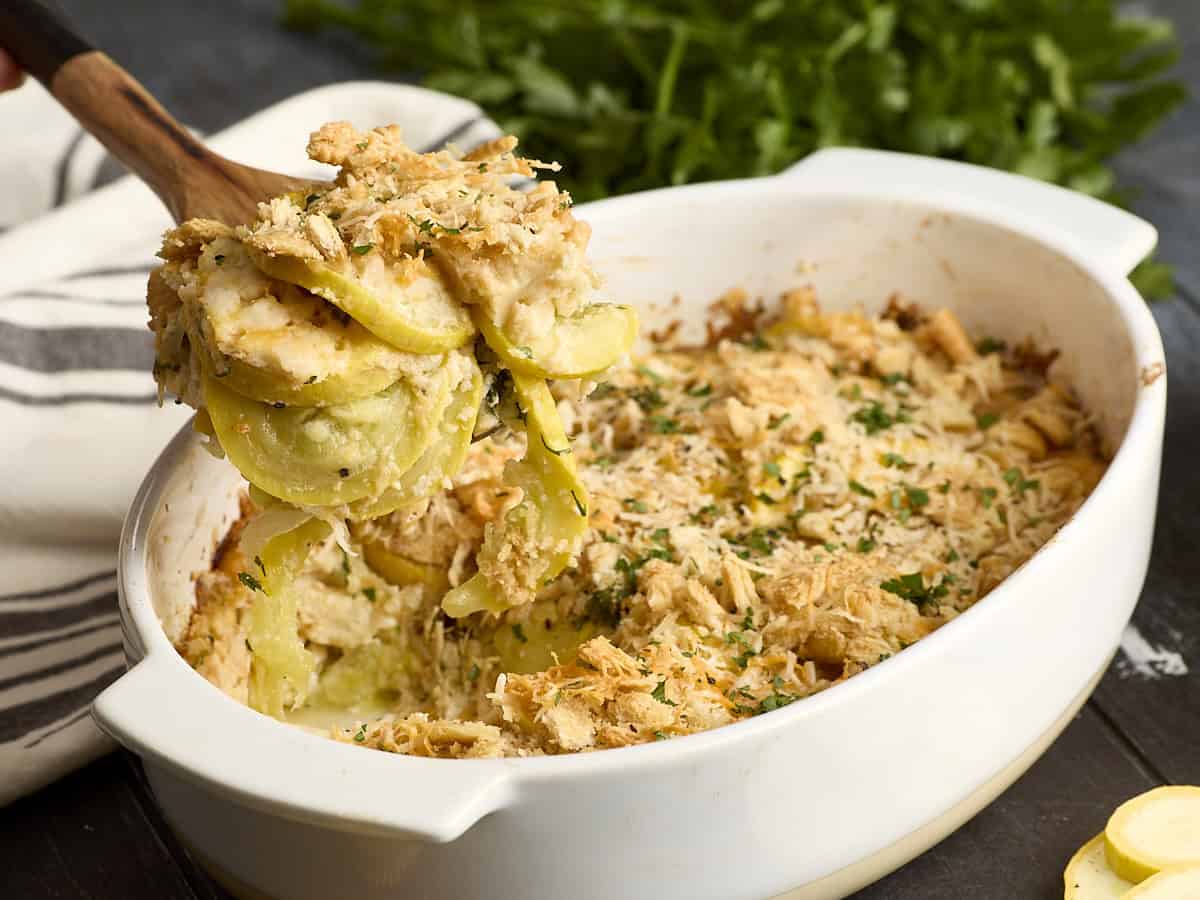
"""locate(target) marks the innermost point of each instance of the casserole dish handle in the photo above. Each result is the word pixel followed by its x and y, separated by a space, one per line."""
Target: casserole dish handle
pixel 174 720
pixel 1111 238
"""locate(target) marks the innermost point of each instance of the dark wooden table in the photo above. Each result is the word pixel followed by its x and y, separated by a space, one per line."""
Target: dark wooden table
pixel 97 834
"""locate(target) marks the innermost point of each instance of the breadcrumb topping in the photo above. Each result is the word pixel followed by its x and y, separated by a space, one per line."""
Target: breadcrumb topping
pixel 771 515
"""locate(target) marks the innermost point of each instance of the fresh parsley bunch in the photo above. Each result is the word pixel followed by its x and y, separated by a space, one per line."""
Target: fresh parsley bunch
pixel 635 94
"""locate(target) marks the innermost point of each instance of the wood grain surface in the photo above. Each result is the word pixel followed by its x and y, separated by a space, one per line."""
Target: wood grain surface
pixel 97 834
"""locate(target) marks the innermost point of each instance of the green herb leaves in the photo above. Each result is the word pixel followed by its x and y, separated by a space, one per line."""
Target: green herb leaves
pixel 912 587
pixel 660 694
pixel 645 93
pixel 250 581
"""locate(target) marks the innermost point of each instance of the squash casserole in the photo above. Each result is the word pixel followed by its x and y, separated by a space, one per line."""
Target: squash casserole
pixel 770 514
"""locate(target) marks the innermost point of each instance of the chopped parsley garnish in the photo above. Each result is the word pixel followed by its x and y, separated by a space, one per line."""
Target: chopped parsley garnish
pixel 604 606
pixel 664 425
pixel 817 437
pixel 775 701
pixel 649 399
pixel 700 390
pixel 775 421
pixel 636 505
pixel 893 378
pixel 991 345
pixel 219 259
pixel 944 487
pixel 345 563
pixel 651 374
pixel 1019 483
pixel 865 545
pixel 518 631
pixel 362 249
pixel 361 734
pixel 743 659
pixel 917 497
pixel 952 556
pixel 369 593
pixel 873 417
pixel 763 497
pixel 661 536
pixel 986 496
pixel 473 673
pixel 896 461
pixel 861 489
pixel 250 581
pixel 760 540
pixel 984 421
pixel 912 587
pixel 748 621
pixel 755 342
pixel 772 469
pixel 660 694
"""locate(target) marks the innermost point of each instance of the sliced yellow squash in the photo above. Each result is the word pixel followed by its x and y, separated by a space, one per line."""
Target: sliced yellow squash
pixel 1153 831
pixel 275 342
pixel 1175 883
pixel 405 304
pixel 1088 877
pixel 260 384
pixel 319 456
pixel 534 645
pixel 443 456
pixel 281 668
pixel 362 677
pixel 400 570
pixel 577 346
pixel 536 539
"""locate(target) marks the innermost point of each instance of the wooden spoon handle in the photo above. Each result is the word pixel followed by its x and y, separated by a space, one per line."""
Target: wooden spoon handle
pixel 111 104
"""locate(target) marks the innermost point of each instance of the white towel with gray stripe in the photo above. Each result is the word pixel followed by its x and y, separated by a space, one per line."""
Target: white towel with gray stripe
pixel 79 422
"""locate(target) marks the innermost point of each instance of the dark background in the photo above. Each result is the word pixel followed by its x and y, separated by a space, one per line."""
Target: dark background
pixel 97 834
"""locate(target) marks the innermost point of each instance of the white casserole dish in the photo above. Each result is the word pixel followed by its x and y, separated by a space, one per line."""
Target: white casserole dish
pixel 815 799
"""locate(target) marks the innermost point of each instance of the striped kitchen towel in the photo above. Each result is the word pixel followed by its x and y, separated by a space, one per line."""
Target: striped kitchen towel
pixel 79 422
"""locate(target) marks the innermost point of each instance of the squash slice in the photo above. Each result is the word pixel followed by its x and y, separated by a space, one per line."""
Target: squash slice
pixel 536 539
pixel 400 570
pixel 406 305
pixel 274 342
pixel 281 668
pixel 444 454
pixel 1175 883
pixel 316 456
pixel 1088 877
pixel 577 346
pixel 1153 831
pixel 266 387
pixel 542 641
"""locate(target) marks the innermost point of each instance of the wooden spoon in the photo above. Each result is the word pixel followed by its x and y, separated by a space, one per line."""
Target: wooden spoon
pixel 110 103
